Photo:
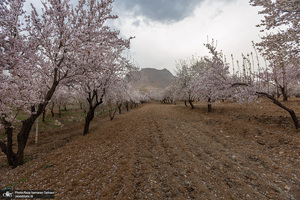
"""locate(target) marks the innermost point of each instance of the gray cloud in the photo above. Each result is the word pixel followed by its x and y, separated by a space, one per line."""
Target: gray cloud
pixel 163 11
pixel 136 22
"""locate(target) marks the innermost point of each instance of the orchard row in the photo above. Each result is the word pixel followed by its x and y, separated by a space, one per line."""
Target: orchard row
pixel 58 52
pixel 208 78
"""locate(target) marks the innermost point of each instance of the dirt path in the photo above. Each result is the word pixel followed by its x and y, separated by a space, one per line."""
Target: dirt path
pixel 167 152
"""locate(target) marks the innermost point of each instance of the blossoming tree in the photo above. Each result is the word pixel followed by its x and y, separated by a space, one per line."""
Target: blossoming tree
pixel 39 55
pixel 280 45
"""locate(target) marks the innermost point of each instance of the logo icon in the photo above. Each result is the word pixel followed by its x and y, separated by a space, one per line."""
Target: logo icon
pixel 7 194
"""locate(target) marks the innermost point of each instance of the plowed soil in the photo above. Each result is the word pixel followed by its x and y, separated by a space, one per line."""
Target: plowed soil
pixel 160 151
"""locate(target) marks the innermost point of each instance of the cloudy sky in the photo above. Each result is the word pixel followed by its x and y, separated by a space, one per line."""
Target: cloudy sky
pixel 169 30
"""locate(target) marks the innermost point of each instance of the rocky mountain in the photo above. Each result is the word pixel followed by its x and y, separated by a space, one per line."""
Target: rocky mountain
pixel 153 79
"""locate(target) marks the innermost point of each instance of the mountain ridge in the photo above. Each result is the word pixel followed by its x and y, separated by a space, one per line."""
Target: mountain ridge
pixel 152 79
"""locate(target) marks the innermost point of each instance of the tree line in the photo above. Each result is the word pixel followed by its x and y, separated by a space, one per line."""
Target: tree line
pixel 60 51
pixel 208 78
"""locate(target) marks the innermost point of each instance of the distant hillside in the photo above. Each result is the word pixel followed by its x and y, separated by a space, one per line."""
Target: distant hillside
pixel 154 79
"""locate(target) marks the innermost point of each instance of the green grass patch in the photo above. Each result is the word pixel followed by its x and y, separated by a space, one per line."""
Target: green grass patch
pixel 27 160
pixel 13 185
pixel 48 165
pixel 51 123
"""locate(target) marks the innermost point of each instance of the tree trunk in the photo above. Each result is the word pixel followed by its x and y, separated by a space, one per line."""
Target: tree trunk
pixel 191 103
pixel 7 149
pixel 44 114
pixel 25 128
pixel 290 111
pixel 15 159
pixel 284 93
pixel 51 109
pixel 91 113
pixel 185 103
pixel 23 137
pixel 285 97
pixel 120 108
pixel 209 105
pixel 18 158
pixel 278 93
pixel 89 117
pixel 295 119
pixel 112 112
pixel 11 156
pixel 127 106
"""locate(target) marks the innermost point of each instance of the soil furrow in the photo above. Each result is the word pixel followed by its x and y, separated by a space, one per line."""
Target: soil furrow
pixel 168 152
